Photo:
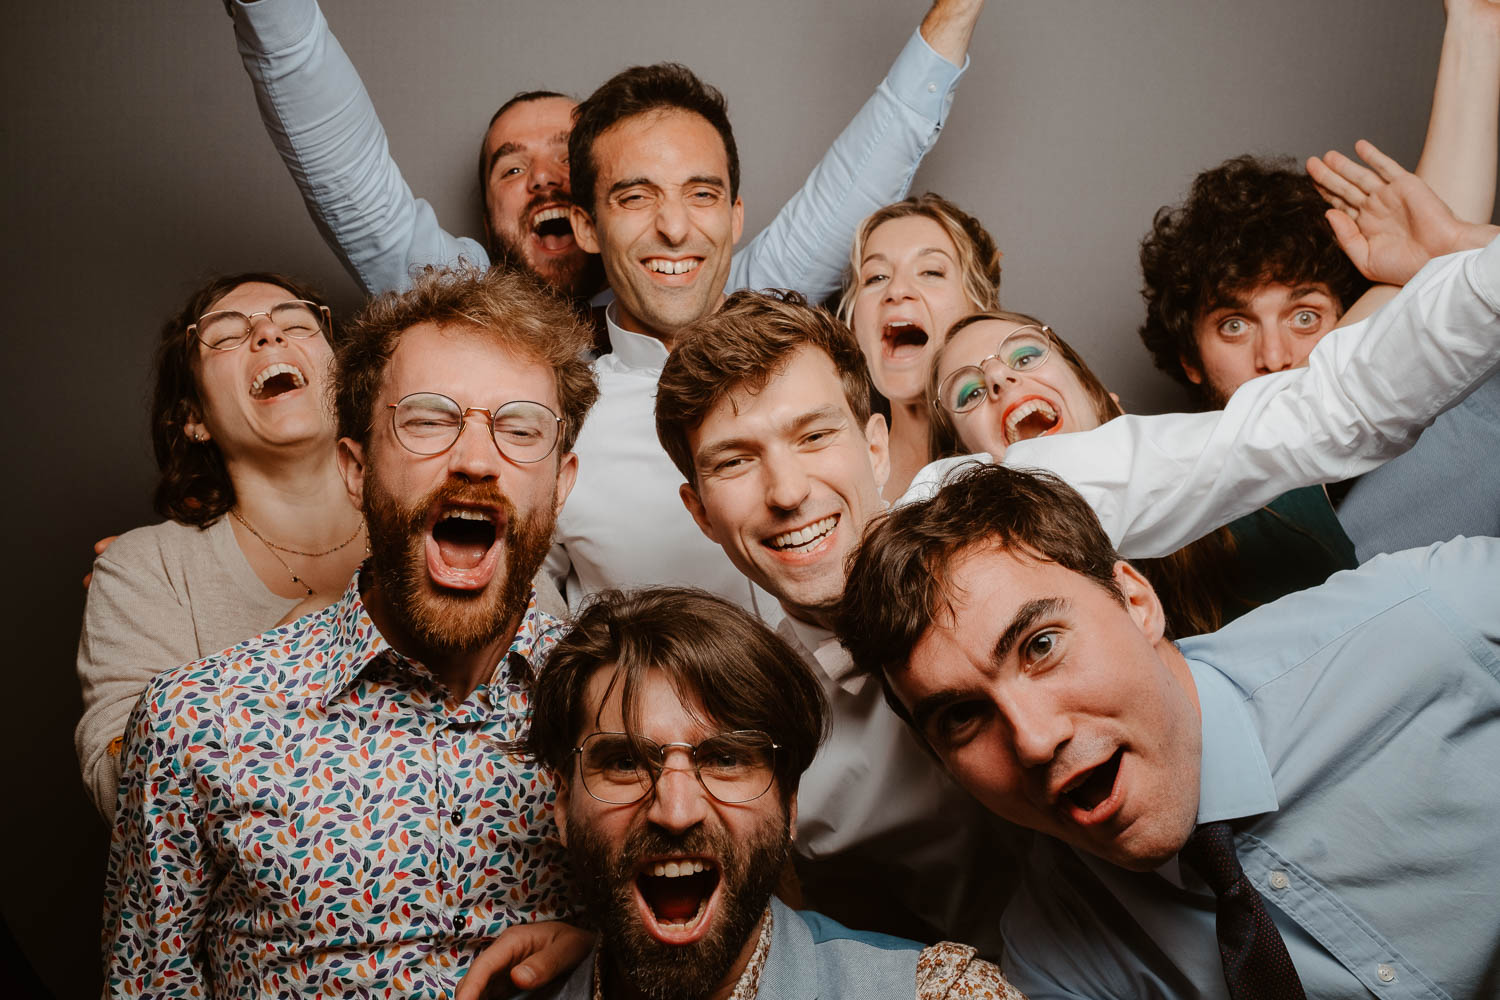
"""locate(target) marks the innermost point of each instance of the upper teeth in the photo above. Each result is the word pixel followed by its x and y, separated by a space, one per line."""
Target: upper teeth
pixel 465 514
pixel 665 266
pixel 672 869
pixel 802 536
pixel 271 371
pixel 1020 413
pixel 547 215
pixel 897 324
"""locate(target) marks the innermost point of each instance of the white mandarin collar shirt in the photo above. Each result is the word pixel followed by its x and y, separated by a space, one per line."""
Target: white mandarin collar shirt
pixel 624 524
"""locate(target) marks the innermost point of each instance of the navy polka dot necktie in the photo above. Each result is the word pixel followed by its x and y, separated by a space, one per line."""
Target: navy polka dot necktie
pixel 1256 963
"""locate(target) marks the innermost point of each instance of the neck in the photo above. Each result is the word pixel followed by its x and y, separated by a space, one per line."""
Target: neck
pixel 910 426
pixel 626 320
pixel 459 671
pixel 816 617
pixel 296 500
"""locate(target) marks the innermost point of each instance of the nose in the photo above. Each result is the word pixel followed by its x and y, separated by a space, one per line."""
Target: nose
pixel 1273 350
pixel 672 221
pixel 787 484
pixel 475 456
pixel 263 332
pixel 547 172
pixel 679 801
pixel 999 377
pixel 898 289
pixel 1038 730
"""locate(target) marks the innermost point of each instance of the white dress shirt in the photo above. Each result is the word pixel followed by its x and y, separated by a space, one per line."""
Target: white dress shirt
pixel 624 524
pixel 874 794
pixel 1369 389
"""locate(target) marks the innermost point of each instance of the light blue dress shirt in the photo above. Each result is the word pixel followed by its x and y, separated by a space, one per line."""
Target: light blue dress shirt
pixel 324 126
pixel 1352 734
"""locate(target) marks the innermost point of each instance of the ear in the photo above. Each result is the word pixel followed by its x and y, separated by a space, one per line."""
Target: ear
pixel 352 470
pixel 1141 601
pixel 739 220
pixel 1192 371
pixel 583 229
pixel 560 807
pixel 567 475
pixel 878 439
pixel 694 505
pixel 1116 397
pixel 195 430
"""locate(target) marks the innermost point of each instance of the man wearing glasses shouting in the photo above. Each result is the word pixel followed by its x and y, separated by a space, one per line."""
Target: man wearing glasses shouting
pixel 678 727
pixel 321 807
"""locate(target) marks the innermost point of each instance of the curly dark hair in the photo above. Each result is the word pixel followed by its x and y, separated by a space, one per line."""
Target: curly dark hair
pixel 635 91
pixel 1245 223
pixel 194 487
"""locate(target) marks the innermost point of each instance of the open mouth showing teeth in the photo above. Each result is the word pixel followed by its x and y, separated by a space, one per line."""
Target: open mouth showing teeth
pixel 902 337
pixel 804 539
pixel 1030 419
pixel 273 380
pixel 662 266
pixel 1094 786
pixel 464 536
pixel 677 892
pixel 552 222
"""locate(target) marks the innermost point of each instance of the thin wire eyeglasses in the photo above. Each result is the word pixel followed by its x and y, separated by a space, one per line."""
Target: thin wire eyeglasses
pixel 732 767
pixel 429 423
pixel 227 329
pixel 1022 350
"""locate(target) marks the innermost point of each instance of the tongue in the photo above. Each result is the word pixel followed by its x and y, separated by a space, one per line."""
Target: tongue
pixel 673 900
pixel 461 555
pixel 553 244
pixel 1034 425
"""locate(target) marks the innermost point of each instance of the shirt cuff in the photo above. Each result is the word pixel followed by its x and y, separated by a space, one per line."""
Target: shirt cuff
pixel 1484 273
pixel 269 26
pixel 923 80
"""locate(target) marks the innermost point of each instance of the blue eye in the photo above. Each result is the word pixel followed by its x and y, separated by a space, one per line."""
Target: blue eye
pixel 1024 357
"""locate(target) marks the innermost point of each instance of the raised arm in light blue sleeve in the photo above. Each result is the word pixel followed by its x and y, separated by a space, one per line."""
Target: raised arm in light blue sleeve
pixel 321 120
pixel 869 165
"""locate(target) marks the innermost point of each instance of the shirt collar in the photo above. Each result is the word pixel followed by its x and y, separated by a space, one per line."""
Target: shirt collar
pixel 633 350
pixel 828 655
pixel 358 643
pixel 1235 780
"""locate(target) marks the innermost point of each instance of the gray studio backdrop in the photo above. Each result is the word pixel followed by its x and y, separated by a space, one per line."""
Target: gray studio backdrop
pixel 135 164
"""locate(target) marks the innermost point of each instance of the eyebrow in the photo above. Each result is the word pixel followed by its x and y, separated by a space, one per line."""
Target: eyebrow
pixel 1025 618
pixel 920 253
pixel 630 182
pixel 710 452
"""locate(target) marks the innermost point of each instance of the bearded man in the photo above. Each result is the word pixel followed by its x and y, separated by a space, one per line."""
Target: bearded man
pixel 678 727
pixel 320 807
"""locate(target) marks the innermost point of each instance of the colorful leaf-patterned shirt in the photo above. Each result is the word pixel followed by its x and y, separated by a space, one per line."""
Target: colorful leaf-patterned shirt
pixel 303 815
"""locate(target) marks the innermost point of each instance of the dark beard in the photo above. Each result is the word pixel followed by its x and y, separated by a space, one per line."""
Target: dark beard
pixel 442 620
pixel 748 874
pixel 577 276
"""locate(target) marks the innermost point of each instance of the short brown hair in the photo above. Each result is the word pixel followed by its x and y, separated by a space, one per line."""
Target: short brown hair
pixel 744 675
pixel 899 577
pixel 516 309
pixel 978 257
pixel 195 487
pixel 743 346
pixel 943 435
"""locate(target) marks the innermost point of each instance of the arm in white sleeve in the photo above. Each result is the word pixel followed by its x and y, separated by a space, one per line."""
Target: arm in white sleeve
pixel 320 118
pixel 1159 482
pixel 870 165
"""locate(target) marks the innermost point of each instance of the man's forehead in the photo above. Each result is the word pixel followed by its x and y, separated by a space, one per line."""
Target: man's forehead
pixel 661 138
pixel 543 121
pixel 467 358
pixel 662 710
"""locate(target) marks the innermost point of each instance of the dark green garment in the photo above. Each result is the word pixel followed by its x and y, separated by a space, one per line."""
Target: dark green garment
pixel 1292 543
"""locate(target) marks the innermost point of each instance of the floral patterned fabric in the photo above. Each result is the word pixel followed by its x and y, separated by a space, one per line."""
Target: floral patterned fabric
pixel 303 815
pixel 951 971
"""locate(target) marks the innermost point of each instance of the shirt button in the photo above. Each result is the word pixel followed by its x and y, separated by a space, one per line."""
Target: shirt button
pixel 1386 973
pixel 1279 880
pixel 932 88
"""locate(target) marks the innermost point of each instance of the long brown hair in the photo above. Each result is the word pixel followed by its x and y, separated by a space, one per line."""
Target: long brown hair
pixel 194 487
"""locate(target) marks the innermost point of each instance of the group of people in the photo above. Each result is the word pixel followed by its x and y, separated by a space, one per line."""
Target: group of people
pixel 606 611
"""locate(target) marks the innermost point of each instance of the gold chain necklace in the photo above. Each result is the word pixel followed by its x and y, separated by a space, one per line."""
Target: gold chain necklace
pixel 272 548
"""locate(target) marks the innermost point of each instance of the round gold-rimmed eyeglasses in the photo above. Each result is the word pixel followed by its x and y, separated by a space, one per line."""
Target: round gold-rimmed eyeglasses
pixel 428 423
pixel 227 329
pixel 732 767
pixel 1022 350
